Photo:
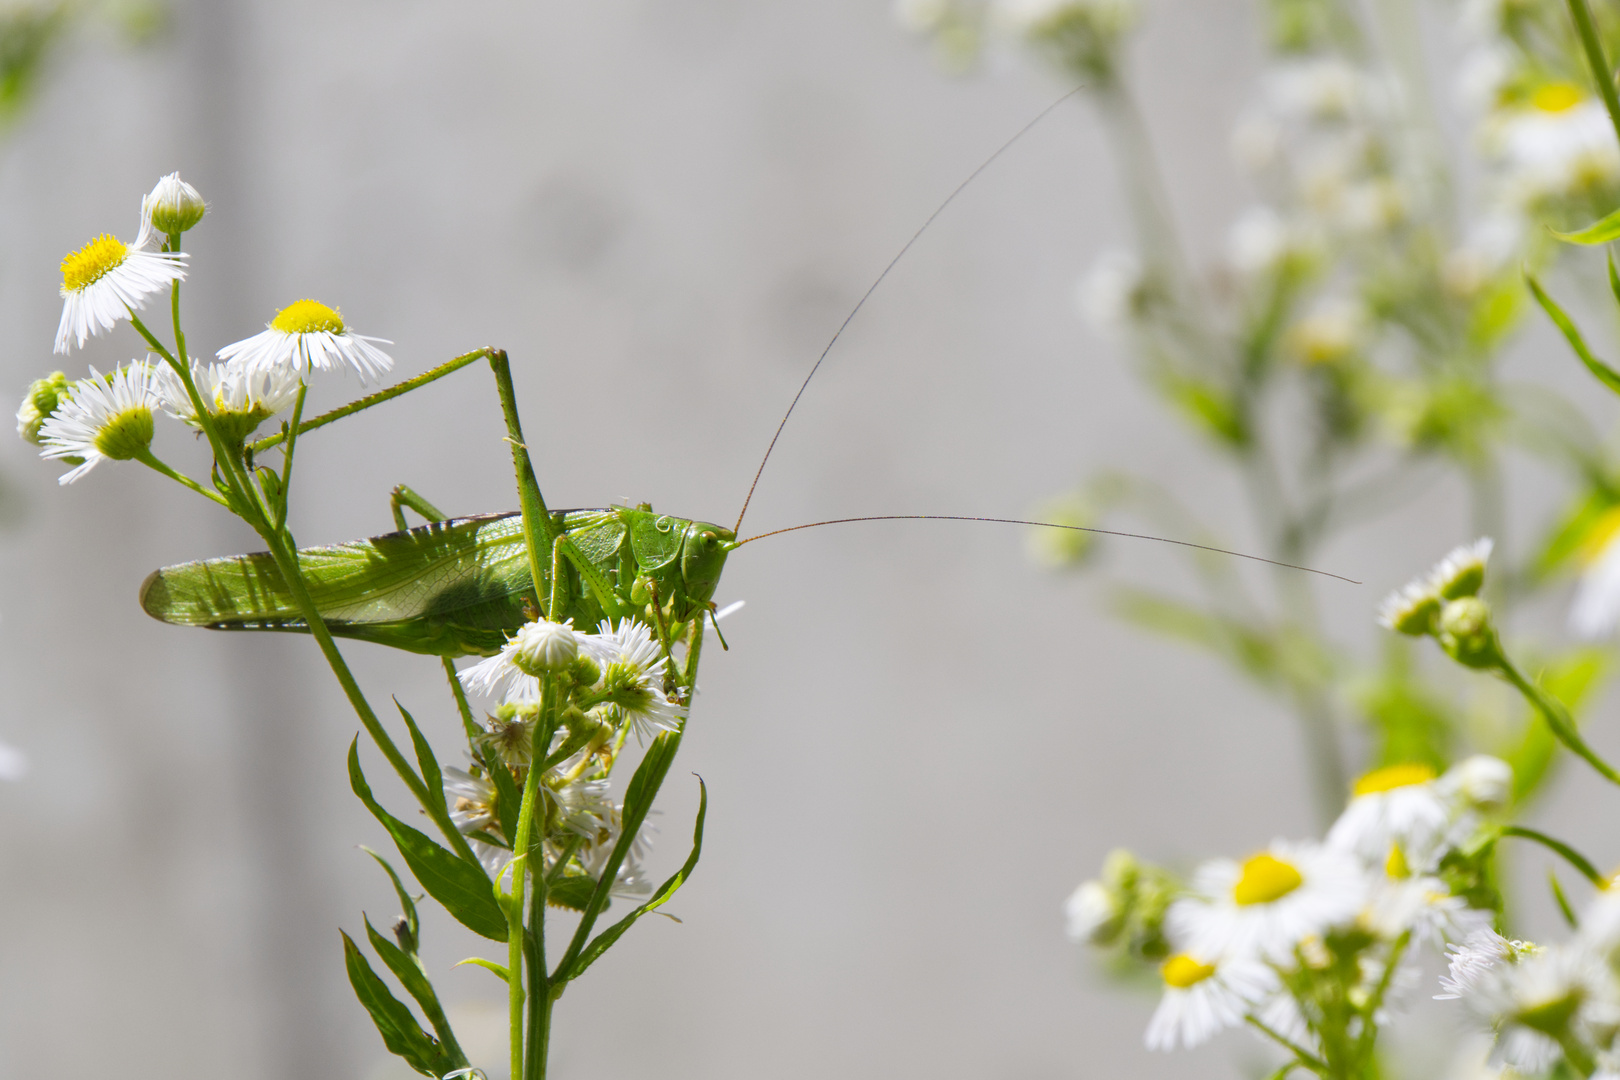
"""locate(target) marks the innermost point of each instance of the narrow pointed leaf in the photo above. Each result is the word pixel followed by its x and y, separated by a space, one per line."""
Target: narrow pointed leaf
pixel 432 776
pixel 463 888
pixel 415 982
pixel 604 941
pixel 407 903
pixel 1571 856
pixel 400 1032
pixel 1604 373
pixel 499 970
pixel 1563 901
pixel 1599 232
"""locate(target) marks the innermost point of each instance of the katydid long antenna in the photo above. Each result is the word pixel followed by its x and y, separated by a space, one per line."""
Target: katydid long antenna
pixel 1044 113
pixel 1048 525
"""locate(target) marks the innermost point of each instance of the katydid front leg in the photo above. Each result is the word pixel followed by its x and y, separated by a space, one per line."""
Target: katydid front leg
pixel 403 498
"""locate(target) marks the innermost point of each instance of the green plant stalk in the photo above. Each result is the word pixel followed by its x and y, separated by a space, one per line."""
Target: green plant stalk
pixel 1557 717
pixel 1305 1057
pixel 524 851
pixel 1602 73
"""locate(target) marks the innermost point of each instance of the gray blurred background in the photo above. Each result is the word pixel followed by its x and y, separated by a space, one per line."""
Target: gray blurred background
pixel 918 744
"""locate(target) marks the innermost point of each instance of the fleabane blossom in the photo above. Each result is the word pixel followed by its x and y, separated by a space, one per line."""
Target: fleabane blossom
pixel 107 279
pixel 633 678
pixel 102 417
pixel 1202 997
pixel 1269 903
pixel 1539 1000
pixel 1423 906
pixel 471 802
pixel 1560 143
pixel 1596 609
pixel 513 673
pixel 1398 804
pixel 238 399
pixel 1414 608
pixel 308 336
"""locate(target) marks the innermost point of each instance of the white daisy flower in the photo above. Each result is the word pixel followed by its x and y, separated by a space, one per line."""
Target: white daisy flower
pixel 631 879
pixel 1480 782
pixel 1563 143
pixel 238 399
pixel 513 673
pixel 1201 998
pixel 308 336
pixel 1398 804
pixel 1535 999
pixel 1424 906
pixel 107 279
pixel 633 678
pixel 1269 903
pixel 471 801
pixel 1596 609
pixel 102 417
pixel 1088 909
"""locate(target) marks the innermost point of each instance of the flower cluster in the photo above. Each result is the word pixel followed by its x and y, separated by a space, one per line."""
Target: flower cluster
pixel 1309 942
pixel 609 685
pixel 86 421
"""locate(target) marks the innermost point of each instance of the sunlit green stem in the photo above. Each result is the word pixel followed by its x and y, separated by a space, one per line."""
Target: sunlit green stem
pixel 1303 1056
pixel 1366 1044
pixel 1557 717
pixel 147 458
pixel 525 853
pixel 1602 73
pixel 287 464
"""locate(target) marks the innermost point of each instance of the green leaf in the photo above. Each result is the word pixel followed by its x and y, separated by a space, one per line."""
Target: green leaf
pixel 432 776
pixel 415 981
pixel 1604 373
pixel 499 970
pixel 1571 856
pixel 407 904
pixel 400 1032
pixel 573 893
pixel 1563 901
pixel 1599 232
pixel 463 888
pixel 604 941
pixel 508 797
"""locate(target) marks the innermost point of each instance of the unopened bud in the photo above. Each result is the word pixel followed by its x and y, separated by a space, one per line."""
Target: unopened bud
pixel 1466 633
pixel 1482 781
pixel 402 933
pixel 174 205
pixel 1091 914
pixel 544 646
pixel 1462 572
pixel 41 400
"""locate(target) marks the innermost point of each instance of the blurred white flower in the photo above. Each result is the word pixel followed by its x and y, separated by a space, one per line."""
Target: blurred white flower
pixel 1596 609
pixel 1087 910
pixel 1562 144
pixel 1257 241
pixel 1398 804
pixel 1269 903
pixel 1201 998
pixel 225 389
pixel 1108 294
pixel 1332 330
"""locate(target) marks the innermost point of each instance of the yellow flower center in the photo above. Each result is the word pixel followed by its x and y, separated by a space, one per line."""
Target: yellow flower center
pixel 1265 878
pixel 307 317
pixel 93 261
pixel 1393 776
pixel 1396 866
pixel 1557 97
pixel 1597 537
pixel 1182 971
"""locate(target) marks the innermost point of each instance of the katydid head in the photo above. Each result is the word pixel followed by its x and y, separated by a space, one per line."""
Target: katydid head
pixel 703 557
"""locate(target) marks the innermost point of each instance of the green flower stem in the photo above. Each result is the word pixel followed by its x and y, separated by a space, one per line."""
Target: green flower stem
pixel 1602 73
pixel 1557 717
pixel 146 457
pixel 1569 854
pixel 378 398
pixel 526 849
pixel 1365 1044
pixel 287 456
pixel 174 307
pixel 1304 1057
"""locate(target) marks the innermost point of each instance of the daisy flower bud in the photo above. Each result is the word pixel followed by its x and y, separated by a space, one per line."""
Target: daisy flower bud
pixel 1466 633
pixel 1091 913
pixel 103 417
pixel 174 205
pixel 308 336
pixel 1462 571
pixel 39 403
pixel 544 646
pixel 107 279
pixel 1412 610
pixel 1482 782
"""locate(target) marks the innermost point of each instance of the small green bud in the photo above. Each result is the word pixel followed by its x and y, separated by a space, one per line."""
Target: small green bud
pixel 174 205
pixel 402 934
pixel 639 591
pixel 584 671
pixel 1462 572
pixel 1466 633
pixel 1413 610
pixel 41 400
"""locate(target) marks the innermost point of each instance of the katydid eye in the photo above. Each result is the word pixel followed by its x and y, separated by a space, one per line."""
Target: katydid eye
pixel 708 536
